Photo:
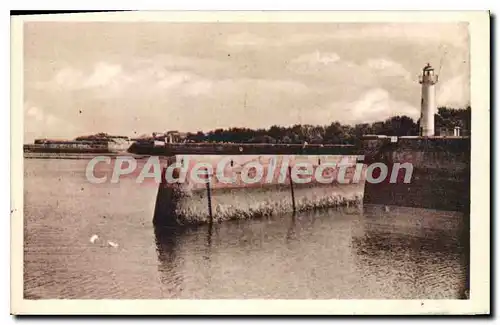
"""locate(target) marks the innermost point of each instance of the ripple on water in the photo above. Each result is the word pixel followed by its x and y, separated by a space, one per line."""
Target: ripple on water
pixel 332 254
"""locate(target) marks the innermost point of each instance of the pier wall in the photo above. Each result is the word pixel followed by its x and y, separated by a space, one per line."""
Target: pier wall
pixel 440 178
pixel 191 202
pixel 440 181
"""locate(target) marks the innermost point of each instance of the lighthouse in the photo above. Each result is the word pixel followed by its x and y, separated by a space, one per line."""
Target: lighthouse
pixel 428 102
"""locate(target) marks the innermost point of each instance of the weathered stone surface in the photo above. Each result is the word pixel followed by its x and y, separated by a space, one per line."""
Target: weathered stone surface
pixel 187 203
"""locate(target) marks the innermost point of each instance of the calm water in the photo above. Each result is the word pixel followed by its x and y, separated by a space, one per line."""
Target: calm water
pixel 349 253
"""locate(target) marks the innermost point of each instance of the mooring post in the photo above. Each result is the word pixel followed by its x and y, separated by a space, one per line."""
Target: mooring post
pixel 209 197
pixel 291 188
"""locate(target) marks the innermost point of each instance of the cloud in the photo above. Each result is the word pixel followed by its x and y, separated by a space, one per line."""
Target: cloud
pixel 107 80
pixel 253 75
pixel 172 79
pixel 246 39
pixel 316 58
pixel 33 112
pixel 323 65
pixel 344 77
pixel 198 87
pixel 105 74
pixel 374 105
pixel 112 80
pixel 454 34
pixel 387 68
pixel 451 33
pixel 292 87
pixel 68 78
pixel 39 123
pixel 441 33
pixel 454 92
pixel 319 61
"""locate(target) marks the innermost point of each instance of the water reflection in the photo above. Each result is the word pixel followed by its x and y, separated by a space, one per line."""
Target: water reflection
pixel 375 241
pixel 344 253
pixel 291 234
pixel 329 254
pixel 425 250
pixel 167 241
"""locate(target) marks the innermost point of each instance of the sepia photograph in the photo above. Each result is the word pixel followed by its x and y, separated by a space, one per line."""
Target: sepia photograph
pixel 214 162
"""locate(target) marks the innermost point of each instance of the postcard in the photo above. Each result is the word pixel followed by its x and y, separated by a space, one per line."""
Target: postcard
pixel 222 163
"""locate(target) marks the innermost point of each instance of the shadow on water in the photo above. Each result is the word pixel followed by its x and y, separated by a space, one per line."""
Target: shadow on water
pixel 169 242
pixel 438 239
pixel 375 253
pixel 189 257
pixel 376 241
pixel 291 233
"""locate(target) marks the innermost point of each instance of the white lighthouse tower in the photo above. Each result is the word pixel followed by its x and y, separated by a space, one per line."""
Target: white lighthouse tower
pixel 428 105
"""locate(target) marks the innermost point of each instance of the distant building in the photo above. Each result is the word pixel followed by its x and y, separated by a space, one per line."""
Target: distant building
pixel 175 137
pixel 112 142
pixel 456 131
pixel 160 138
pixel 100 141
pixel 63 144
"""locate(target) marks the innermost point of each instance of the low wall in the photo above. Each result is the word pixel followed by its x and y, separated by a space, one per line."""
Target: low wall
pixel 207 148
pixel 440 179
pixel 191 202
pixel 441 172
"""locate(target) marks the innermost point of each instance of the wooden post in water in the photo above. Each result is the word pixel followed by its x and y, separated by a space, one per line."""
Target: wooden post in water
pixel 209 196
pixel 291 189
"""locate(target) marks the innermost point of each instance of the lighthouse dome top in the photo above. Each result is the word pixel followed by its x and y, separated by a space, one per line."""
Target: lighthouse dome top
pixel 428 76
pixel 428 67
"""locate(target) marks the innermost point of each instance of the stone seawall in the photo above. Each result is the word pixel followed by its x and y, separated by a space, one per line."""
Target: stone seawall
pixel 441 172
pixel 236 203
pixel 439 180
pixel 191 202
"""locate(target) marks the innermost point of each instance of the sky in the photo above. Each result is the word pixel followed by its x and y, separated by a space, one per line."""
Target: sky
pixel 134 78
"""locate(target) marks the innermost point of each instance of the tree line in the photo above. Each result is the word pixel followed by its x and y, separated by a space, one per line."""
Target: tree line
pixel 335 133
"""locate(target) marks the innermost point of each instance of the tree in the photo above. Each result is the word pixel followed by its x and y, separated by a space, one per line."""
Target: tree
pixel 334 133
pixel 451 117
pixel 400 126
pixel 286 139
pixel 263 139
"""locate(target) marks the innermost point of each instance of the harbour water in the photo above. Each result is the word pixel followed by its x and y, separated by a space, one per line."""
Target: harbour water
pixel 357 252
